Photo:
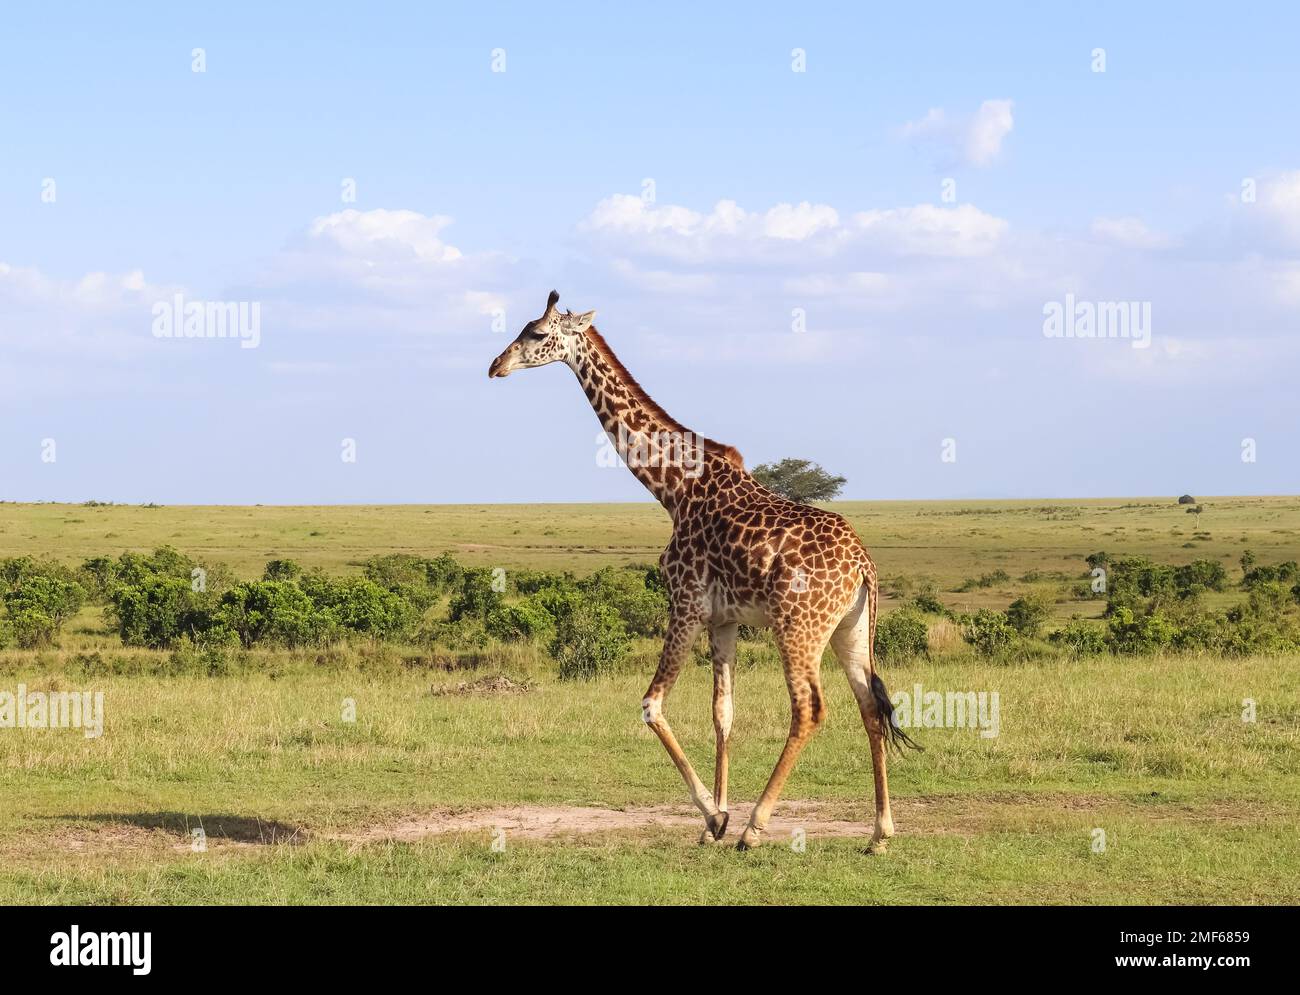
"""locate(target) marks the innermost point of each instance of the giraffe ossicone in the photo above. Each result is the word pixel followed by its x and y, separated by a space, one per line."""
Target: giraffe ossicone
pixel 738 554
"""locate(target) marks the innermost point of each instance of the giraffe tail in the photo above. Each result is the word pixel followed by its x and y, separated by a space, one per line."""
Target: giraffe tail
pixel 885 710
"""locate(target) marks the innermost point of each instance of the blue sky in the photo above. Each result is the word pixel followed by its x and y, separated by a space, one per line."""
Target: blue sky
pixel 772 192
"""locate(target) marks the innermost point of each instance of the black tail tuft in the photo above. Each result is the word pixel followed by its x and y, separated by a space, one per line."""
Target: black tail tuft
pixel 894 736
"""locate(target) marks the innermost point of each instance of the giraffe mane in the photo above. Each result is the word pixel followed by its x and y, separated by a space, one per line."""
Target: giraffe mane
pixel 729 453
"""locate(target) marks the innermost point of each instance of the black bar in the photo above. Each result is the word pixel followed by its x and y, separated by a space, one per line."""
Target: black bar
pixel 911 944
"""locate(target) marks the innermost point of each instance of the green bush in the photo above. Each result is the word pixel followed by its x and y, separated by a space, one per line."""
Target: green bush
pixel 38 605
pixel 158 611
pixel 1131 632
pixel 927 601
pixel 523 622
pixel 31 629
pixel 654 579
pixel 271 611
pixel 476 597
pixel 165 561
pixel 18 570
pixel 1200 575
pixel 1028 615
pixel 361 605
pixel 589 640
pixel 282 570
pixel 902 635
pixel 469 633
pixel 989 632
pixel 443 573
pixel 98 575
pixel 406 576
pixel 1281 573
pixel 644 611
pixel 1132 580
pixel 528 582
pixel 1079 638
pixel 985 580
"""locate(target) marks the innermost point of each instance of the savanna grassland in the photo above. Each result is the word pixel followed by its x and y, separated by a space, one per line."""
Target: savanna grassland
pixel 471 773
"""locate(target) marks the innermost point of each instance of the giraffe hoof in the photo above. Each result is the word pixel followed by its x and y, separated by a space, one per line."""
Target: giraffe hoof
pixel 748 839
pixel 877 848
pixel 718 824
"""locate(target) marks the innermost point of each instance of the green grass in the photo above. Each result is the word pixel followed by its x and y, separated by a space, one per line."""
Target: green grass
pixel 947 540
pixel 1153 751
pixel 1184 864
pixel 1197 805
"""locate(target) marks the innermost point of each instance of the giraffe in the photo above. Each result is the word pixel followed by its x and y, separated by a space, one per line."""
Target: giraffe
pixel 739 554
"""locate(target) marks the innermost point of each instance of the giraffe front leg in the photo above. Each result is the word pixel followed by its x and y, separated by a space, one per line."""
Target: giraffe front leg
pixel 677 644
pixel 807 712
pixel 722 648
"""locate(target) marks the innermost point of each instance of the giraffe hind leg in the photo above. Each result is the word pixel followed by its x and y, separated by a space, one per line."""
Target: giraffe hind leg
pixel 853 648
pixel 802 660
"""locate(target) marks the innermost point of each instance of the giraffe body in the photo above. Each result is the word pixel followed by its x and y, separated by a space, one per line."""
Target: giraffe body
pixel 739 554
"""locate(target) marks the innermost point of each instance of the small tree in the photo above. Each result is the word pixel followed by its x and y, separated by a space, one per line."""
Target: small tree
pixel 989 632
pixel 589 641
pixel 38 606
pixel 1027 615
pixel 902 635
pixel 799 480
pixel 1195 510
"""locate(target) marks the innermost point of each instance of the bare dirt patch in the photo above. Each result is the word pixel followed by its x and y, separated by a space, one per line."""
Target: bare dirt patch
pixel 944 815
pixel 542 822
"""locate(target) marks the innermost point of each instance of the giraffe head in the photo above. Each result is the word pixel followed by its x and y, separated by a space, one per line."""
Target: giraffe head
pixel 549 338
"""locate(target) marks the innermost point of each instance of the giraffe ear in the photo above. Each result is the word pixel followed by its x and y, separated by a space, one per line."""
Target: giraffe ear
pixel 581 322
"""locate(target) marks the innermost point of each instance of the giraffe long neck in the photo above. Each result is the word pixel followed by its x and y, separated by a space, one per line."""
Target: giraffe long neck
pixel 666 457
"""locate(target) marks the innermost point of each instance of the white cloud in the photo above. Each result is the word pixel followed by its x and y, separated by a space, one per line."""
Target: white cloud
pixel 1130 232
pixel 975 140
pixel 788 235
pixel 97 313
pixel 862 284
pixel 798 221
pixel 927 229
pixel 383 233
pixel 726 231
pixel 384 271
pixel 1271 223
